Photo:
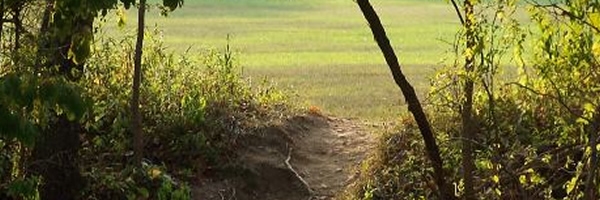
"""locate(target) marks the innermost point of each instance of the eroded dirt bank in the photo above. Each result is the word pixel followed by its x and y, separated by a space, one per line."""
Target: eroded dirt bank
pixel 304 157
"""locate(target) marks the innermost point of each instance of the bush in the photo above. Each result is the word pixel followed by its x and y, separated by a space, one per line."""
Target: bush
pixel 537 124
pixel 396 169
pixel 194 108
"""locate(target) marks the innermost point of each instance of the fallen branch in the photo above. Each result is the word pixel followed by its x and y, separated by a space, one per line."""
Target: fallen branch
pixel 291 168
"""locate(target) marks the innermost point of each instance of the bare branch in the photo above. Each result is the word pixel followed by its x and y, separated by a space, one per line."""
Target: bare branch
pixel 565 12
pixel 460 17
pixel 558 99
pixel 414 106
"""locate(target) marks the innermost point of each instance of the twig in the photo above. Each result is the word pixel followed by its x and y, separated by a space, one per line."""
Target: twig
pixel 590 190
pixel 565 12
pixel 291 168
pixel 460 17
pixel 559 99
pixel 221 194
pixel 232 194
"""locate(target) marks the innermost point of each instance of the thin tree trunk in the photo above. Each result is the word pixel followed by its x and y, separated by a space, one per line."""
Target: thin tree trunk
pixel 1 20
pixel 590 183
pixel 55 158
pixel 17 22
pixel 414 106
pixel 457 9
pixel 136 117
pixel 468 127
pixel 43 42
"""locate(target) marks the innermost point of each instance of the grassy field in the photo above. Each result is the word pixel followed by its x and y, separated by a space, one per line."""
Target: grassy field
pixel 321 49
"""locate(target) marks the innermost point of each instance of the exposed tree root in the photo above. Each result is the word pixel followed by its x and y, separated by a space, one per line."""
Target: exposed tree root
pixel 291 168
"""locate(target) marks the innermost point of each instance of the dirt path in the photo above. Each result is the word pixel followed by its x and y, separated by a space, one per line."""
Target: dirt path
pixel 305 157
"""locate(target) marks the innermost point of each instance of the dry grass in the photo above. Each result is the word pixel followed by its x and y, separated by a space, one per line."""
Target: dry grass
pixel 322 50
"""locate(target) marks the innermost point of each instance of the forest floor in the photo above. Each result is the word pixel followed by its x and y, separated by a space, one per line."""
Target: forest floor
pixel 304 157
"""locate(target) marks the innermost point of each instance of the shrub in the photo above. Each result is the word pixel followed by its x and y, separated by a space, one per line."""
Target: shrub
pixel 194 108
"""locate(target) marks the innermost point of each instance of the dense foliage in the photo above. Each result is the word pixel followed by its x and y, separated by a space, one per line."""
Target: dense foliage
pixel 535 109
pixel 64 93
pixel 195 109
pixel 517 102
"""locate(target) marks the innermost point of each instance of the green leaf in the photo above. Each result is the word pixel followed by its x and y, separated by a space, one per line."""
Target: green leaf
pixel 66 97
pixel 23 188
pixel 172 4
pixel 15 126
pixel 11 87
pixel 80 47
pixel 127 3
pixel 71 101
pixel 143 192
pixel 122 18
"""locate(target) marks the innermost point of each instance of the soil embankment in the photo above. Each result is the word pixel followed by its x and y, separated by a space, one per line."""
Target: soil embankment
pixel 304 157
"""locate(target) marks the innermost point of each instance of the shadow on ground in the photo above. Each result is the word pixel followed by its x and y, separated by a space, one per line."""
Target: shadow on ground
pixel 303 157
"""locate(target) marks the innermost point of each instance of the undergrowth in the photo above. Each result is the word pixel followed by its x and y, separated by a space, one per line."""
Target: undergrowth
pixel 525 155
pixel 535 124
pixel 196 106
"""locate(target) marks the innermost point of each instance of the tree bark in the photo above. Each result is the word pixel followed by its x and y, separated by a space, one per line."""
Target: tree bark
pixel 1 20
pixel 468 127
pixel 16 9
pixel 414 106
pixel 458 14
pixel 590 183
pixel 55 158
pixel 56 152
pixel 136 117
pixel 43 41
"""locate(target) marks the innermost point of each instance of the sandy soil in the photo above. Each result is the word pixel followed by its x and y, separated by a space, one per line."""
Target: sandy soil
pixel 304 157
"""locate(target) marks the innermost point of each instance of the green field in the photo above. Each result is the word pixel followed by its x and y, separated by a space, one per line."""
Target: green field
pixel 320 49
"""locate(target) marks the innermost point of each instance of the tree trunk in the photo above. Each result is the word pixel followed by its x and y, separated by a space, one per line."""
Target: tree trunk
pixel 55 158
pixel 467 107
pixel 43 42
pixel 16 9
pixel 136 117
pixel 414 106
pixel 468 126
pixel 55 155
pixel 590 184
pixel 1 20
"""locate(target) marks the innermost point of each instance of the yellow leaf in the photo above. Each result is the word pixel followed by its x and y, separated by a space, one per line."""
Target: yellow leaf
pixel 498 192
pixel 154 173
pixel 121 18
pixel 596 48
pixel 571 184
pixel 500 15
pixel 496 179
pixel 588 107
pixel 595 19
pixel 523 179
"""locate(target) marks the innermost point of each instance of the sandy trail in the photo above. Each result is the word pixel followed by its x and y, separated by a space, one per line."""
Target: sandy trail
pixel 304 157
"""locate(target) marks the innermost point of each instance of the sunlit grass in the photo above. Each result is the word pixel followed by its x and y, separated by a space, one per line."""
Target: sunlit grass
pixel 321 49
